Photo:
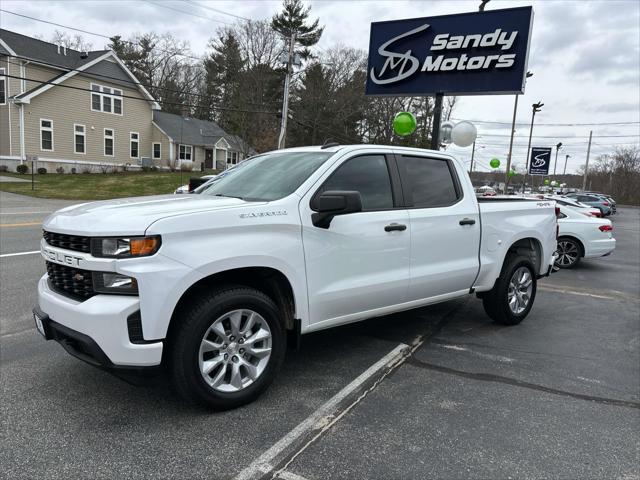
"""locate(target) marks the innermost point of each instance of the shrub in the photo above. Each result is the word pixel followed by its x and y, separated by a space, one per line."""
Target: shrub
pixel 73 170
pixel 186 166
pixel 86 170
pixel 22 169
pixel 4 168
pixel 145 168
pixel 60 170
pixel 154 168
pixel 42 171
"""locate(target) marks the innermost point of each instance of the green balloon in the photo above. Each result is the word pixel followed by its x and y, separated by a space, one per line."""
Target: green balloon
pixel 495 163
pixel 404 123
pixel 512 173
pixel 546 181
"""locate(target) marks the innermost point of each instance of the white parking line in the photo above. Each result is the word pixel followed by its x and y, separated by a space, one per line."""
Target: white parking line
pixel 321 419
pixel 290 476
pixel 19 253
pixel 583 294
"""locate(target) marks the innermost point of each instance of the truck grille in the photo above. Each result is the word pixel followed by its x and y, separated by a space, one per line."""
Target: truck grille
pixel 68 242
pixel 73 282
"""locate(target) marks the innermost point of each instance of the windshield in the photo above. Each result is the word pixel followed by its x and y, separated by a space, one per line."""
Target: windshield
pixel 221 175
pixel 268 177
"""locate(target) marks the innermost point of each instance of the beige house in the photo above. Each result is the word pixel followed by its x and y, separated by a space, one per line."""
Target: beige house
pixel 85 110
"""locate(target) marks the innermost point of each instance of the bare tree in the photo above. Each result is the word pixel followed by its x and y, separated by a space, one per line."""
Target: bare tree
pixel 74 42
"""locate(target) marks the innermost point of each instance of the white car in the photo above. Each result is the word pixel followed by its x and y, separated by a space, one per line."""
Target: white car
pixel 576 205
pixel 214 285
pixel 582 236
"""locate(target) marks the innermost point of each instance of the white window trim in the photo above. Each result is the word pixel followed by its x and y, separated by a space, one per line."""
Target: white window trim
pixel 113 142
pixel 84 136
pixel 153 150
pixel 102 95
pixel 5 80
pixel 48 129
pixel 190 159
pixel 131 140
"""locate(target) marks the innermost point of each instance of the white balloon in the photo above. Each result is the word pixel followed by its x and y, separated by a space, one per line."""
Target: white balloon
pixel 464 134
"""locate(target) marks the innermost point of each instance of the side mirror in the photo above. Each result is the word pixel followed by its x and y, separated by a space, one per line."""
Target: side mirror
pixel 331 203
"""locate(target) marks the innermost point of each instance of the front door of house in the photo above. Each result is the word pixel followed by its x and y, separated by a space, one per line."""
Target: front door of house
pixel 208 158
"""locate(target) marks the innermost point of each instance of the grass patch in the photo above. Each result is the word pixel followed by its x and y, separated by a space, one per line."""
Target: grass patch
pixel 98 186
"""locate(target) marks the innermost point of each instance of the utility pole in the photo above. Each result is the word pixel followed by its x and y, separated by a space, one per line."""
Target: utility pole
pixel 285 100
pixel 513 131
pixel 558 146
pixel 586 167
pixel 565 164
pixel 536 107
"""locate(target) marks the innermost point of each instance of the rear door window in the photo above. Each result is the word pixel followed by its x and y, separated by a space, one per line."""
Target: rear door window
pixel 428 182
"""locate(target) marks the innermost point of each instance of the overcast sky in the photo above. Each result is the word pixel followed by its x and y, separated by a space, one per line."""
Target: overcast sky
pixel 585 56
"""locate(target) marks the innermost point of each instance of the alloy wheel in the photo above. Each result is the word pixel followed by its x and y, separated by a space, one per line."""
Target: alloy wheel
pixel 520 289
pixel 568 253
pixel 235 350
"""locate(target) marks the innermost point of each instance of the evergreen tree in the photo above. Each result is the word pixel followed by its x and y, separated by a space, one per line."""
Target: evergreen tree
pixel 293 21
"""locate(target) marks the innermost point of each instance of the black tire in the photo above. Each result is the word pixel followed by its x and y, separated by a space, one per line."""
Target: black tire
pixel 496 302
pixel 184 345
pixel 569 253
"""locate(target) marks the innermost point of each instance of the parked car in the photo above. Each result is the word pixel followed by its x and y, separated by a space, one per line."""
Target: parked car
pixel 603 205
pixel 191 186
pixel 580 207
pixel 607 198
pixel 213 286
pixel 581 236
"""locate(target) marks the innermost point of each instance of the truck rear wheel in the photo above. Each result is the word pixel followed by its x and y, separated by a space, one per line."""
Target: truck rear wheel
pixel 226 348
pixel 511 298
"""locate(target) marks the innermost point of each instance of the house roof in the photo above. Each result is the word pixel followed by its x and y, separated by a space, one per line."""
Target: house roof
pixel 70 64
pixel 45 52
pixel 193 131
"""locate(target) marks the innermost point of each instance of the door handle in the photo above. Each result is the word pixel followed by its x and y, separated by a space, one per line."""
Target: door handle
pixel 395 226
pixel 467 221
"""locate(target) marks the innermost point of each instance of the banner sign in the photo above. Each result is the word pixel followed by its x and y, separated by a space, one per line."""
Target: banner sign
pixel 540 160
pixel 462 54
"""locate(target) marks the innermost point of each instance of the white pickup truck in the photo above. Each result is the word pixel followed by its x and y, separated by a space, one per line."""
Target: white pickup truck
pixel 212 286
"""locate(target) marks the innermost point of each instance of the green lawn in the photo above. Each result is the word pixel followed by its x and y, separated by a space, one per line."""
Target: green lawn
pixel 98 186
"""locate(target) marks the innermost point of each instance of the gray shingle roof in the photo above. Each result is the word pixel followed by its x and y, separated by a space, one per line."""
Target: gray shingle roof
pixel 192 131
pixel 45 52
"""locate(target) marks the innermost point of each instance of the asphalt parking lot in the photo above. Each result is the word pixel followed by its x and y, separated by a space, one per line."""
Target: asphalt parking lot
pixel 557 396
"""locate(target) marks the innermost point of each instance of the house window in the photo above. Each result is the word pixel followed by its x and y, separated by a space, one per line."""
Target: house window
pixel 108 142
pixel 106 99
pixel 46 134
pixel 79 139
pixel 134 142
pixel 3 87
pixel 232 157
pixel 157 151
pixel 185 152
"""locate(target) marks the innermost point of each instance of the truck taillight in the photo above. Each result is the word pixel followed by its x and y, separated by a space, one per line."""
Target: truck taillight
pixel 557 212
pixel 605 228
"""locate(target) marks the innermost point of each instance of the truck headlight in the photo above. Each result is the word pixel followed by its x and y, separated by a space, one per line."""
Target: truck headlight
pixel 110 282
pixel 125 247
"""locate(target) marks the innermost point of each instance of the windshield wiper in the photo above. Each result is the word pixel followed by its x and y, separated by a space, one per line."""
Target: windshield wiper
pixel 227 196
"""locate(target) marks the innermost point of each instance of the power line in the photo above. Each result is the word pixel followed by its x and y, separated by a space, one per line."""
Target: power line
pixel 134 83
pixel 216 10
pixel 550 124
pixel 142 99
pixel 557 136
pixel 97 34
pixel 186 13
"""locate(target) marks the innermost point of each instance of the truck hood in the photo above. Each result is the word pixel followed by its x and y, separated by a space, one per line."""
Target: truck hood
pixel 130 216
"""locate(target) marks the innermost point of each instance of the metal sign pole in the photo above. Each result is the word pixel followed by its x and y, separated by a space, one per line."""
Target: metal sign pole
pixel 437 118
pixel 586 167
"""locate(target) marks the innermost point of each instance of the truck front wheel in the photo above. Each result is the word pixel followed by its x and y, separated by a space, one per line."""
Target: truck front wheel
pixel 226 348
pixel 511 298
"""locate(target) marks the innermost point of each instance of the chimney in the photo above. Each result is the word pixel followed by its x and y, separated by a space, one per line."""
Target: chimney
pixel 58 49
pixel 64 50
pixel 84 55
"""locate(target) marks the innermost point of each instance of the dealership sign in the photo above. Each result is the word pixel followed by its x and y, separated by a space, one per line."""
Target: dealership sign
pixel 462 54
pixel 540 161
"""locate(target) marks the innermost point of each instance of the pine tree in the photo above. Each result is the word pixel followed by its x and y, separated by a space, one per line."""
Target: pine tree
pixel 293 21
